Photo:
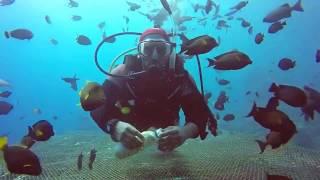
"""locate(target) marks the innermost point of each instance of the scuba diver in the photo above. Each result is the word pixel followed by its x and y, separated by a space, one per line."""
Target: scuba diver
pixel 153 99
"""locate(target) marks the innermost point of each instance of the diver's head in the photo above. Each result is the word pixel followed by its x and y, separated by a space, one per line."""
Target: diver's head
pixel 155 49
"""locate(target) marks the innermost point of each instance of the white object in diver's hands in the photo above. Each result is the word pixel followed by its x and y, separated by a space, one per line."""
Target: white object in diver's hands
pixel 150 138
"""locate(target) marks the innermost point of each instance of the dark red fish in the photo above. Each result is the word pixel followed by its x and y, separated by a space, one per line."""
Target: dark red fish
pixel 286 64
pixel 79 161
pixel 273 119
pixel 5 108
pixel 41 131
pixel 222 82
pixel 232 60
pixel 207 96
pixel 73 4
pixel 92 158
pixel 221 100
pixel 240 5
pixel 20 34
pixel 259 38
pixel 5 94
pixel 20 160
pixel 291 95
pixel 83 40
pixel 166 6
pixel 229 117
pixel 277 26
pixel 199 45
pixel 27 141
pixel 48 20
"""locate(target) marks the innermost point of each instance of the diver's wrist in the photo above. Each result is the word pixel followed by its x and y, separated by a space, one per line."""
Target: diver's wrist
pixel 190 130
pixel 111 129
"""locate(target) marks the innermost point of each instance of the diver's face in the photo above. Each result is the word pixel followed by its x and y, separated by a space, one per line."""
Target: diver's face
pixel 155 53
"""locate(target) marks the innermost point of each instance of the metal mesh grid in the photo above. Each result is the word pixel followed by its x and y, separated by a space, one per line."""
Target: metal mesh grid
pixel 224 157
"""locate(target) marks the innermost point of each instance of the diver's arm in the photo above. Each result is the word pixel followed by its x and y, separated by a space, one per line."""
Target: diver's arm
pixel 108 112
pixel 195 109
pixel 190 130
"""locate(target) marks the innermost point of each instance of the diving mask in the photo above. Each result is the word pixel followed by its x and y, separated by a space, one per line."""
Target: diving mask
pixel 155 49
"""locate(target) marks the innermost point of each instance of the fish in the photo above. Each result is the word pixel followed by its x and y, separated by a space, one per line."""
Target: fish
pixel 221 100
pixel 19 159
pixel 232 60
pixel 110 40
pixel 196 7
pixel 133 6
pixel 244 23
pixel 4 83
pixel 318 56
pixel 92 158
pixel 182 28
pixel 72 81
pixel 102 25
pixel 276 27
pixel 290 95
pixel 277 177
pixel 5 108
pixel 126 19
pixel 217 11
pixel 73 4
pixel 27 141
pixel 231 13
pixel 286 64
pixel 76 17
pixel 166 6
pixel 250 30
pixel 92 96
pixel 83 40
pixel 207 96
pixel 5 94
pixel 222 82
pixel 36 111
pixel 222 24
pixel 212 124
pixel 274 120
pixel 313 103
pixel 284 11
pixel 79 161
pixel 199 45
pixel 41 131
pixel 181 19
pixel 273 139
pixel 54 41
pixel 228 117
pixel 208 6
pixel 6 2
pixel 55 117
pixel 259 38
pixel 48 19
pixel 20 34
pixel 240 5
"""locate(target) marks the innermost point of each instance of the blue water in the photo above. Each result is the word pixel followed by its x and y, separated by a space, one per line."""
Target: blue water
pixel 35 67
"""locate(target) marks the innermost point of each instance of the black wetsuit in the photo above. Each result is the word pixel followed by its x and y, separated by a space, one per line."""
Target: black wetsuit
pixel 153 103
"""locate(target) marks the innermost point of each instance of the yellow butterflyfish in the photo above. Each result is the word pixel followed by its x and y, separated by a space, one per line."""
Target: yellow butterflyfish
pixel 3 142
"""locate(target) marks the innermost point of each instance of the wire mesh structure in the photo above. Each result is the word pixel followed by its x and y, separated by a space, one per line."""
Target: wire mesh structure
pixel 224 157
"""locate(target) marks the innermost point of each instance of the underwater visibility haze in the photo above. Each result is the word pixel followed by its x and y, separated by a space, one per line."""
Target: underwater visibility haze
pixel 74 72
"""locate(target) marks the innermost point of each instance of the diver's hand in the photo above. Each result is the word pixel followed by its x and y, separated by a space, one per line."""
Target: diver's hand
pixel 171 138
pixel 128 135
